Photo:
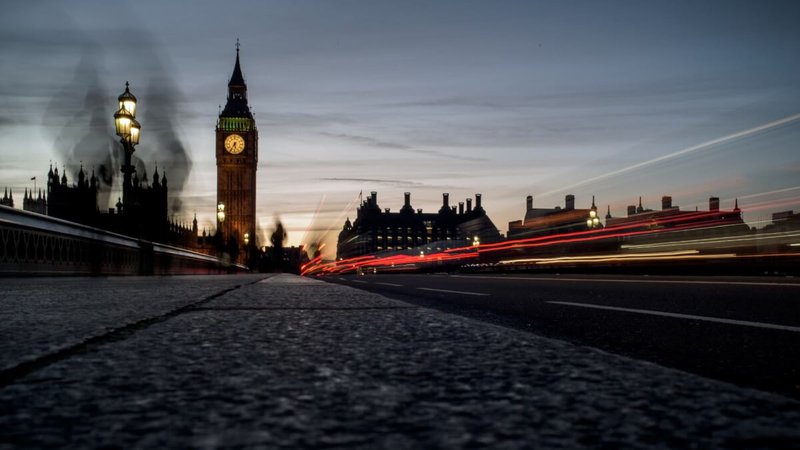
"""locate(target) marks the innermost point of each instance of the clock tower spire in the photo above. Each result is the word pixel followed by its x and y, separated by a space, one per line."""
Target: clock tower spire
pixel 237 160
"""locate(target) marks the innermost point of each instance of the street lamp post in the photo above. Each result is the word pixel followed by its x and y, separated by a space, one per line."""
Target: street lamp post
pixel 128 129
pixel 220 221
pixel 220 216
pixel 247 249
pixel 593 221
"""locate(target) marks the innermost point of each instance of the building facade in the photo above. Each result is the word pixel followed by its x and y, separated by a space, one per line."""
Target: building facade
pixel 237 160
pixel 556 220
pixel 376 230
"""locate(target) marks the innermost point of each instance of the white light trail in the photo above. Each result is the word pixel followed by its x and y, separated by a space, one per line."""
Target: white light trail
pixel 694 148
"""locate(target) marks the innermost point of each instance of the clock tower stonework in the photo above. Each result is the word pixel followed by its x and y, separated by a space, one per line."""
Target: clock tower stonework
pixel 237 161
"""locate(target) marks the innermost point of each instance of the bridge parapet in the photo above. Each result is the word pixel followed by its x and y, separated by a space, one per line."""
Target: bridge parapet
pixel 36 245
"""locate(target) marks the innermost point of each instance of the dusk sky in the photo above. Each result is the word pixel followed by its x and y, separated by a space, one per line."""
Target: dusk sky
pixel 613 99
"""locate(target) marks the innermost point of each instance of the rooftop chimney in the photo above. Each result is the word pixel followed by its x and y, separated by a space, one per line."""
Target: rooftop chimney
pixel 666 202
pixel 713 204
pixel 569 202
pixel 374 197
pixel 445 200
pixel 631 210
pixel 407 199
pixel 477 201
pixel 461 207
pixel 529 201
pixel 469 205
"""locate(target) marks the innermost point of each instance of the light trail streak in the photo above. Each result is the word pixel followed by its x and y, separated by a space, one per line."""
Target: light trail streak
pixel 716 240
pixel 694 148
pixel 338 220
pixel 599 257
pixel 669 227
pixel 313 219
pixel 620 258
pixel 628 281
pixel 762 194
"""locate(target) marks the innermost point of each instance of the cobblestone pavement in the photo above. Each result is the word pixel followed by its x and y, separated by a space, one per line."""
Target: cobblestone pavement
pixel 291 362
pixel 41 315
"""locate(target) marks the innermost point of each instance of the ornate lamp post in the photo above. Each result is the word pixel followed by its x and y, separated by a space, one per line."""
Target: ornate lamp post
pixel 128 129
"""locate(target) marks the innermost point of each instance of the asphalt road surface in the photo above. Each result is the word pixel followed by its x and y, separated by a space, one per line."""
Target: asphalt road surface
pixel 741 330
pixel 280 361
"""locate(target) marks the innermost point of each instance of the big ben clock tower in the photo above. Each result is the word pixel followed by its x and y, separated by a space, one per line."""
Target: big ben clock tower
pixel 237 159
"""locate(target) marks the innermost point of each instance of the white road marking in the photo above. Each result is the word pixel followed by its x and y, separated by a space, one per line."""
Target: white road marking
pixel 617 280
pixel 359 281
pixel 744 323
pixel 454 292
pixel 391 284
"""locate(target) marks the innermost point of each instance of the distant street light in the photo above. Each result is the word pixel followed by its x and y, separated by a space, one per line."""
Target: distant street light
pixel 247 248
pixel 128 129
pixel 476 241
pixel 220 213
pixel 593 221
pixel 220 220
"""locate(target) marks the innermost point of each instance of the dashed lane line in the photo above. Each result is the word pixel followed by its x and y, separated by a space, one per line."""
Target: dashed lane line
pixel 390 284
pixel 454 292
pixel 618 280
pixel 744 323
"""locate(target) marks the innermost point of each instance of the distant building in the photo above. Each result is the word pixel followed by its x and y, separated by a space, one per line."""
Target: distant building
pixel 147 218
pixel 76 203
pixel 671 215
pixel 544 221
pixel 784 221
pixel 37 204
pixel 376 230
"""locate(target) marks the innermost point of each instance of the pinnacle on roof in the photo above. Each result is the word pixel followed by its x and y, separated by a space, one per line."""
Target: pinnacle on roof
pixel 236 78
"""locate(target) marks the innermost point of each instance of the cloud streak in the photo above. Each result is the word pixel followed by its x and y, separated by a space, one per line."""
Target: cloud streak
pixel 372 142
pixel 386 182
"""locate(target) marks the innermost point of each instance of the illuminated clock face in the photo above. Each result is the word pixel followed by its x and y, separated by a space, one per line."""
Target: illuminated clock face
pixel 234 144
